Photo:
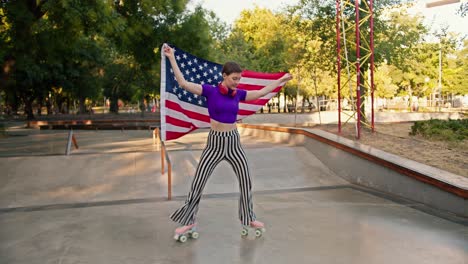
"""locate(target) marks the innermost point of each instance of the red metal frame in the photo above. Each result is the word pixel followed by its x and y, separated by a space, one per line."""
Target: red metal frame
pixel 358 22
pixel 338 59
pixel 358 69
pixel 371 8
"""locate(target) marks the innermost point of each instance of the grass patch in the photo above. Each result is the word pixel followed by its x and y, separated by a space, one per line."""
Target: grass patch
pixel 443 130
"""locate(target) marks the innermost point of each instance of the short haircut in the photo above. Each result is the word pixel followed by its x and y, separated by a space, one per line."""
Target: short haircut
pixel 231 67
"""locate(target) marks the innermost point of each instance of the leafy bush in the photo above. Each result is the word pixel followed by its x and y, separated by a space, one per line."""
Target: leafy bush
pixel 446 130
pixel 2 129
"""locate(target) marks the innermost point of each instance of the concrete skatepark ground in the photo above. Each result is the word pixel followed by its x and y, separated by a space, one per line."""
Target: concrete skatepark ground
pixel 106 203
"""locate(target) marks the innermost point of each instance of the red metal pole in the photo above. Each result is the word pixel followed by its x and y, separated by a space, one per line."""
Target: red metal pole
pixel 371 7
pixel 338 60
pixel 358 70
pixel 74 141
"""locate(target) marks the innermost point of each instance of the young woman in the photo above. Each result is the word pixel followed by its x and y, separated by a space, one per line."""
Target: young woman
pixel 223 143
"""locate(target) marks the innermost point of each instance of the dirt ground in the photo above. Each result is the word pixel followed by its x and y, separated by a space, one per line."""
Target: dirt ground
pixel 394 138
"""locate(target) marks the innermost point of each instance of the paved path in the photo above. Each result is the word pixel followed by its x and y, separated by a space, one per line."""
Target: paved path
pixel 106 203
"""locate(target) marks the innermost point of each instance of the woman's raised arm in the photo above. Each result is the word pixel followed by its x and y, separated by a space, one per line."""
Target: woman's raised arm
pixel 253 95
pixel 189 86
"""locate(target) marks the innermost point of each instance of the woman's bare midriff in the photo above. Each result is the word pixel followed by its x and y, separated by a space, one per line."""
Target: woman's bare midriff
pixel 222 127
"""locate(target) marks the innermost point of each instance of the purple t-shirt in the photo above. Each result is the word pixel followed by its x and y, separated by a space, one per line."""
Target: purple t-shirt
pixel 222 107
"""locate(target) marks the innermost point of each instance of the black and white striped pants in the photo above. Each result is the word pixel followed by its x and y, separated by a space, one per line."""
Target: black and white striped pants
pixel 220 146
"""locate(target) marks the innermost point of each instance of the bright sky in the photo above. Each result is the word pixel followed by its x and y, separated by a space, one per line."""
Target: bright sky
pixel 229 11
pixel 440 16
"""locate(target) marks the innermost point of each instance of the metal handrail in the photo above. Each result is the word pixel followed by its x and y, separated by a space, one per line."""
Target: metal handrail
pixel 164 156
pixel 71 138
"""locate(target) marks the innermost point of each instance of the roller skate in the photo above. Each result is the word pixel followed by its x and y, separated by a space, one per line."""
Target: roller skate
pixel 257 225
pixel 184 232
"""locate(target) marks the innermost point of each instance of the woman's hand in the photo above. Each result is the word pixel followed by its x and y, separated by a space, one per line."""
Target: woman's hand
pixel 189 86
pixel 286 77
pixel 168 51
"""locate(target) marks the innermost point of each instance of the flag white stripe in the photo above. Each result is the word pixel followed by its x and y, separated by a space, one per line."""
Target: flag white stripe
pixel 268 96
pixel 181 116
pixel 249 107
pixel 194 108
pixel 256 81
pixel 173 128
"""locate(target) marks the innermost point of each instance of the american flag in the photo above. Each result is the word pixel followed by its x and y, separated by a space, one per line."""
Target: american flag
pixel 183 112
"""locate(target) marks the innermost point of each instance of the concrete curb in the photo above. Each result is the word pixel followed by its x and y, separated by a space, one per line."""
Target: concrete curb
pixel 366 166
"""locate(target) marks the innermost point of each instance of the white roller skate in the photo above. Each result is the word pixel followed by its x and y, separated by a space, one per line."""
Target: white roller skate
pixel 257 225
pixel 184 232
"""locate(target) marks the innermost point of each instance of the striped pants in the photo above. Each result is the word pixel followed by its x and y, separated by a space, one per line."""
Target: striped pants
pixel 220 146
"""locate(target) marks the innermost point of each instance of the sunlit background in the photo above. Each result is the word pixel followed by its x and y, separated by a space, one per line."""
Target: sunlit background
pixel 435 17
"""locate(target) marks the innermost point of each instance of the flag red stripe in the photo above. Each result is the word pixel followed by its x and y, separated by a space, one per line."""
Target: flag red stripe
pixel 262 75
pixel 193 115
pixel 177 122
pixel 250 87
pixel 246 112
pixel 257 102
pixel 173 135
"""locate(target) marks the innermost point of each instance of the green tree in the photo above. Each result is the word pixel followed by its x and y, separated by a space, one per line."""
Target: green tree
pixel 21 17
pixel 322 15
pixel 309 53
pixel 400 44
pixel 463 9
pixel 64 50
pixel 236 48
pixel 147 24
pixel 264 35
pixel 7 93
pixel 78 32
pixel 462 70
pixel 385 86
pixel 258 41
pixel 453 64
pixel 55 45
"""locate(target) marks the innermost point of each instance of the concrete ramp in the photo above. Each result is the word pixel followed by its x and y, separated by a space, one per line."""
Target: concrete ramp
pixel 106 203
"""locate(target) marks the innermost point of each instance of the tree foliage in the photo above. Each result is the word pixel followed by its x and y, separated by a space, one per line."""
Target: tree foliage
pixel 58 53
